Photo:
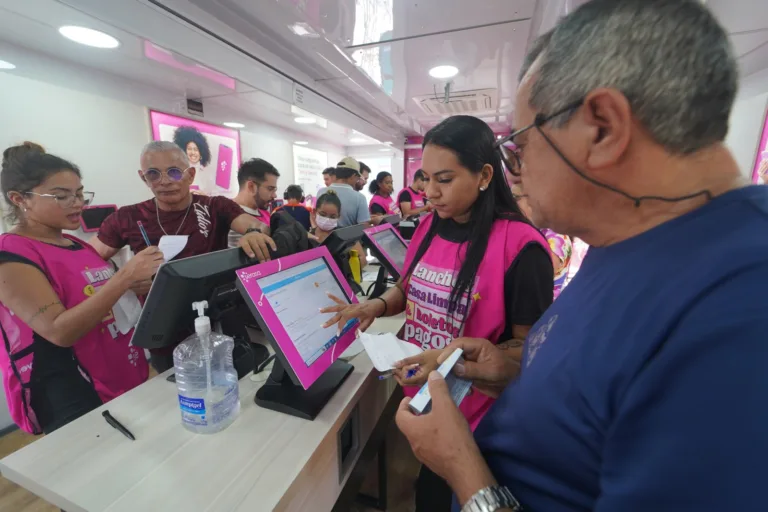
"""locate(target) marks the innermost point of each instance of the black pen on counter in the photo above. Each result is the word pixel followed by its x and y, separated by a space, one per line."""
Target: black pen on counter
pixel 117 425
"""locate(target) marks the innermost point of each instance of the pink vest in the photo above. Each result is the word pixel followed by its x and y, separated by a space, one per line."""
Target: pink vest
pixel 388 203
pixel 104 355
pixel 417 198
pixel 428 288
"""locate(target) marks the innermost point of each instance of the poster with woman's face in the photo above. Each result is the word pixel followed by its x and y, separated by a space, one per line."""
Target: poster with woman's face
pixel 760 172
pixel 214 151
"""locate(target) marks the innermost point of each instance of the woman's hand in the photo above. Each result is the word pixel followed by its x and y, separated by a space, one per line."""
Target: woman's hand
pixel 143 266
pixel 489 367
pixel 423 363
pixel 365 312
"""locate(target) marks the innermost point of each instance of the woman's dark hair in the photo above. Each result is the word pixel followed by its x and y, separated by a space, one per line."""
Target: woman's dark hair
pixel 329 197
pixel 25 167
pixel 294 192
pixel 419 175
pixel 472 141
pixel 375 185
pixel 186 134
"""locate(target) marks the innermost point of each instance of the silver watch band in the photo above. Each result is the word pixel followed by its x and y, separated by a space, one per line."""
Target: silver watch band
pixel 492 499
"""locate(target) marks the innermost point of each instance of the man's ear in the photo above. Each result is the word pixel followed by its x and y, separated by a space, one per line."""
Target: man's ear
pixel 609 115
pixel 191 171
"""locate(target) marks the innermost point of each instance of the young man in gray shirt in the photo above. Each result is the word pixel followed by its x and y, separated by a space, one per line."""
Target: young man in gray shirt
pixel 354 207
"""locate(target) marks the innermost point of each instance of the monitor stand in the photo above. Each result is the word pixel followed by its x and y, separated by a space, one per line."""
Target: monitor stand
pixel 280 394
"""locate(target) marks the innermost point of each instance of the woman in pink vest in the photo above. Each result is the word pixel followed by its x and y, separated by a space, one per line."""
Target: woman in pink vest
pixel 383 202
pixel 475 268
pixel 62 354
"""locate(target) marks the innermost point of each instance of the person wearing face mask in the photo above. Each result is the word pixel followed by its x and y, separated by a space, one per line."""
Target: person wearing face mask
pixel 326 215
pixel 258 188
pixel 475 267
pixel 63 354
pixel 204 220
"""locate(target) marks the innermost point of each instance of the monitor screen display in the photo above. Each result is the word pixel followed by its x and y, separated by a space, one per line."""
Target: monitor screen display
pixel 389 242
pixel 296 296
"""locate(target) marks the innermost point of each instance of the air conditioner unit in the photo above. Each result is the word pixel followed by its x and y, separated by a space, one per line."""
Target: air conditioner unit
pixel 459 102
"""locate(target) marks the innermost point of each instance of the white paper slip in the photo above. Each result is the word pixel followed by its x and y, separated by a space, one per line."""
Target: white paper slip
pixel 172 245
pixel 127 311
pixel 386 349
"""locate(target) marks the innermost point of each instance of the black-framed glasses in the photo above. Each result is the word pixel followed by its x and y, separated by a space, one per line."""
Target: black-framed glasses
pixel 68 200
pixel 512 158
pixel 156 175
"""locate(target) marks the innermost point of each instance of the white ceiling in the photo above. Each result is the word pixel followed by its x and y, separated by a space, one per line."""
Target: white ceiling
pixel 359 63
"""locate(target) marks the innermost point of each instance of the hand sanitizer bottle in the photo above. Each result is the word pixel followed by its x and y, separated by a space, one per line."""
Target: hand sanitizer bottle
pixel 206 378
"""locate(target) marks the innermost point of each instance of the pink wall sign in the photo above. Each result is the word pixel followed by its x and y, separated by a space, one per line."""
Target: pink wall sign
pixel 760 170
pixel 214 151
pixel 412 156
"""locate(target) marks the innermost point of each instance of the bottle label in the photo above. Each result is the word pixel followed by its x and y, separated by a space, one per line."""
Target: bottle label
pixel 192 405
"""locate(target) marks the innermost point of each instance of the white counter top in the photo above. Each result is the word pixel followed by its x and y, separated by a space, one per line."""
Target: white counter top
pixel 264 461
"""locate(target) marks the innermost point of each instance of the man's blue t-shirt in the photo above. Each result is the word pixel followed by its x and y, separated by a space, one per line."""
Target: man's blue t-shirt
pixel 645 386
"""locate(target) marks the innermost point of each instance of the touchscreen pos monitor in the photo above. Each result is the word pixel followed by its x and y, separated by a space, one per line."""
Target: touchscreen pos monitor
pixel 388 246
pixel 285 297
pixel 394 219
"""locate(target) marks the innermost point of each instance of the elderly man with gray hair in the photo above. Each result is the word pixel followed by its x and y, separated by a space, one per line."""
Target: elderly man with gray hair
pixel 175 211
pixel 643 388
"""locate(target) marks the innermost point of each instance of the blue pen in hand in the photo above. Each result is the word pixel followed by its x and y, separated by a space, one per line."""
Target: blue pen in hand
pixel 408 375
pixel 143 233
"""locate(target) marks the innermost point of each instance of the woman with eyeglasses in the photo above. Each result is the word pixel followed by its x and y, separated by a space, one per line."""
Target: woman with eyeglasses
pixel 63 354
pixel 475 268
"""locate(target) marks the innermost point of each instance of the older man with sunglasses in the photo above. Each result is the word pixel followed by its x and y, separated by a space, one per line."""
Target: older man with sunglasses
pixel 643 387
pixel 174 210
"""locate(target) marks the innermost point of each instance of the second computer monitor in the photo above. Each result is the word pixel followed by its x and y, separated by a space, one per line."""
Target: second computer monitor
pixel 285 296
pixel 388 247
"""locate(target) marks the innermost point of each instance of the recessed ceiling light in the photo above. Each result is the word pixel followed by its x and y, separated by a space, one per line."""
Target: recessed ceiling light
pixel 357 140
pixel 443 71
pixel 305 120
pixel 89 37
pixel 6 65
pixel 301 142
pixel 234 125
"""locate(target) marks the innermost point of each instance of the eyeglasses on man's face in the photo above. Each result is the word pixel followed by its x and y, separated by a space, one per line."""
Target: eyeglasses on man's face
pixel 156 175
pixel 68 199
pixel 511 155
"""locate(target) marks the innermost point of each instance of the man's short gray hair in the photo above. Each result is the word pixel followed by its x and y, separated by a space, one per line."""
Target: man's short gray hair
pixel 670 58
pixel 160 146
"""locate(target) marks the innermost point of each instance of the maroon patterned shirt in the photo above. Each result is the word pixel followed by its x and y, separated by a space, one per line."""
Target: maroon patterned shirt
pixel 207 225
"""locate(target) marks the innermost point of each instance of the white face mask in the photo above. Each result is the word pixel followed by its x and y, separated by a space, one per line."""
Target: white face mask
pixel 325 223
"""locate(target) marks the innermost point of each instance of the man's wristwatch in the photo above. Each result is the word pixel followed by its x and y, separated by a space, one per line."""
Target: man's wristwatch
pixel 492 499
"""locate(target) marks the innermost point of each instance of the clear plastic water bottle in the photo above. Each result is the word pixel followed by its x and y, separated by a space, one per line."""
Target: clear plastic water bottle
pixel 206 378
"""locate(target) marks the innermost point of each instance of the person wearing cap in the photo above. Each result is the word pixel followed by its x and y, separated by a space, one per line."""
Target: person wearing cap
pixel 354 206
